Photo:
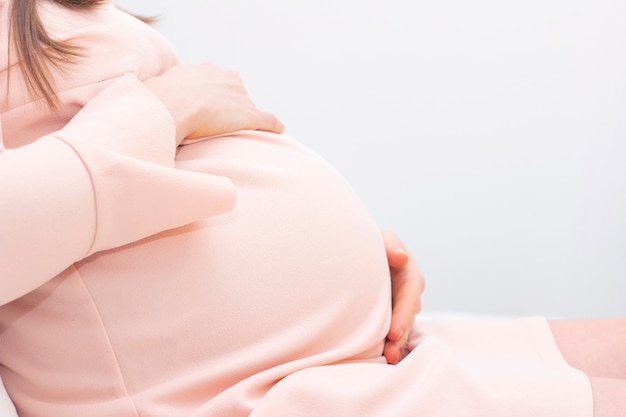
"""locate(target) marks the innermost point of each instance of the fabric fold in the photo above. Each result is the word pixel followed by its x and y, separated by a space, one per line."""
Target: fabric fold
pixel 135 199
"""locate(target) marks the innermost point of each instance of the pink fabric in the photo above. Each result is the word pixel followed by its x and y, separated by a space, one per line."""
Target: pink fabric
pixel 241 276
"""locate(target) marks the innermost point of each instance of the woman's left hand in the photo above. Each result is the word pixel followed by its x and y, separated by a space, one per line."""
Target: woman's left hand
pixel 407 285
pixel 204 100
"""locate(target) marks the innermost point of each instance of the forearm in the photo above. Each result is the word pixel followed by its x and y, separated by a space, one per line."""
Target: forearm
pixel 48 214
pixel 103 181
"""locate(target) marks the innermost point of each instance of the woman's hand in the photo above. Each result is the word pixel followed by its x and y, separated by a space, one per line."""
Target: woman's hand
pixel 205 100
pixel 407 284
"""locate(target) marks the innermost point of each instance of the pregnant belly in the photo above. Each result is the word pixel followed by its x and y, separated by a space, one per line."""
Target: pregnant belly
pixel 297 270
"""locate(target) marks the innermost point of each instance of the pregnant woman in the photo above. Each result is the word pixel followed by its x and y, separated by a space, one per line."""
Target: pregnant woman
pixel 259 285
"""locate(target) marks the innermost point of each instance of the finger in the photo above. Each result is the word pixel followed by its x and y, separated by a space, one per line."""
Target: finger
pixel 402 318
pixel 270 123
pixel 397 254
pixel 407 287
pixel 402 295
pixel 393 352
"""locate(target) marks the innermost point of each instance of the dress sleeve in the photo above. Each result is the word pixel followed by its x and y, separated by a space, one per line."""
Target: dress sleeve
pixel 105 180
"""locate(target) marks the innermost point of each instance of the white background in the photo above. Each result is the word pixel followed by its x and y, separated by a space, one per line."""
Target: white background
pixel 490 134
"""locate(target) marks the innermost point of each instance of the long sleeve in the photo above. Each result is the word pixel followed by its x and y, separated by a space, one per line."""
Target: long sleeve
pixel 105 180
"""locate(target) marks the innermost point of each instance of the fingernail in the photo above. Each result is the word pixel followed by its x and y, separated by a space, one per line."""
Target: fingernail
pixel 403 252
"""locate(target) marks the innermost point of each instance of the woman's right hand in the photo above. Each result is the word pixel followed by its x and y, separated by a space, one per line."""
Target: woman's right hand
pixel 205 100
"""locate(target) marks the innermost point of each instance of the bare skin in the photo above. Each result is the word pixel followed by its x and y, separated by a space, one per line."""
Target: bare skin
pixel 598 348
pixel 407 285
pixel 205 100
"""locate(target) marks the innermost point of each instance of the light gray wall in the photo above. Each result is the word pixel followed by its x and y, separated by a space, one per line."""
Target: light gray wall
pixel 490 134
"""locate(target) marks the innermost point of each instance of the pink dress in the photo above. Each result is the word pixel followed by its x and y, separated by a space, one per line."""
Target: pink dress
pixel 241 276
